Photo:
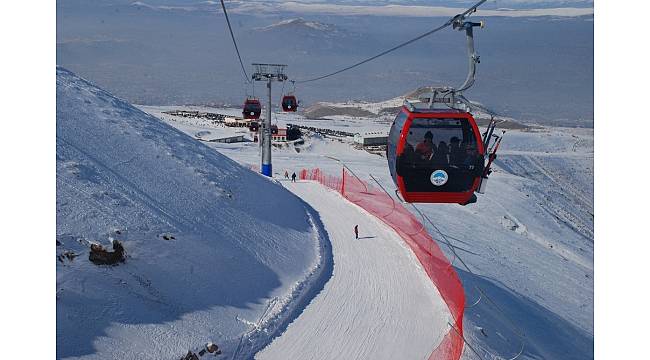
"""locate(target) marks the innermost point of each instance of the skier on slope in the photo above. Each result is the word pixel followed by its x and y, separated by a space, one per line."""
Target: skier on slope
pixel 293 177
pixel 356 231
pixel 286 174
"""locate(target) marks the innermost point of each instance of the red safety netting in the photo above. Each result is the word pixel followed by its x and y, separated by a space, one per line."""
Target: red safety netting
pixel 434 262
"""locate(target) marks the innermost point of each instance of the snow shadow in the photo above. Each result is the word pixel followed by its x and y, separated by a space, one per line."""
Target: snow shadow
pixel 315 285
pixel 491 331
pixel 241 242
pixel 143 294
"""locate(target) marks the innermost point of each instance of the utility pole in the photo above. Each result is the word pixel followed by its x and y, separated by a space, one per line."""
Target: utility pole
pixel 268 73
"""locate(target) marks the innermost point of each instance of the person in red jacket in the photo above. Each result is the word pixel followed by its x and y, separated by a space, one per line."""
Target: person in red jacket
pixel 426 148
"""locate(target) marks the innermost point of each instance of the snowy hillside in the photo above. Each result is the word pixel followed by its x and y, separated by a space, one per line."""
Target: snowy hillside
pixel 215 252
pixel 300 25
pixel 384 112
pixel 529 241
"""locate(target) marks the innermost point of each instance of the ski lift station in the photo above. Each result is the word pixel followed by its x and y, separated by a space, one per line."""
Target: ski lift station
pixel 234 121
pixel 230 139
pixel 279 136
pixel 376 138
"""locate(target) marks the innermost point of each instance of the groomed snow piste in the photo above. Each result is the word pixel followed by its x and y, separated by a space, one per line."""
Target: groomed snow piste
pixel 379 303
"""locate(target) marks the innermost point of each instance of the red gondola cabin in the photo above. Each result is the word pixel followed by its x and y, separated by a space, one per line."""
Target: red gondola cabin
pixel 289 103
pixel 252 109
pixel 435 155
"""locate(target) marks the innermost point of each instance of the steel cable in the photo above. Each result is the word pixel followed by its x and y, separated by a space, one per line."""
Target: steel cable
pixel 232 35
pixel 446 24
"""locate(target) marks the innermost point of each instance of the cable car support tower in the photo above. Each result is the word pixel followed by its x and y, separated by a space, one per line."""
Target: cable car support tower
pixel 267 73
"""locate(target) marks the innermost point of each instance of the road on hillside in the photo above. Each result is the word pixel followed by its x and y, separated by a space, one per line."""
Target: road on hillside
pixel 379 303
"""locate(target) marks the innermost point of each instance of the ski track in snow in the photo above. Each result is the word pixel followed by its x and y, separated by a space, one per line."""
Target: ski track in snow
pixel 379 303
pixel 529 239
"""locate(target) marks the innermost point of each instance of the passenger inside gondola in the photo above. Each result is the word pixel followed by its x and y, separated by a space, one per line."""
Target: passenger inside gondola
pixel 470 156
pixel 407 160
pixel 441 157
pixel 425 147
pixel 456 153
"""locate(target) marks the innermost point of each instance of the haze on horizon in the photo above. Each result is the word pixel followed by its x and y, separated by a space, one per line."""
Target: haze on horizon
pixel 537 68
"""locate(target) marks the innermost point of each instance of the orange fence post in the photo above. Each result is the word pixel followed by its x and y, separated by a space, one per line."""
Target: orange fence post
pixel 343 182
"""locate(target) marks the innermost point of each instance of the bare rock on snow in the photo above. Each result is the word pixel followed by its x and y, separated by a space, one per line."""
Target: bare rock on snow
pixel 69 255
pixel 100 256
pixel 212 348
pixel 190 356
pixel 167 237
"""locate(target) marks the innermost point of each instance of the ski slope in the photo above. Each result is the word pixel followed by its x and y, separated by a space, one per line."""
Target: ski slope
pixel 209 256
pixel 378 304
pixel 528 240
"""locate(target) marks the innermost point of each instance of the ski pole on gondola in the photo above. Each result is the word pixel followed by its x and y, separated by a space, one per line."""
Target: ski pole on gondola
pixel 491 157
pixel 487 135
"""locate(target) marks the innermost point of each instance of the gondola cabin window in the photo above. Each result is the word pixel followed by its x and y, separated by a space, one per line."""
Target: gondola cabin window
pixel 439 155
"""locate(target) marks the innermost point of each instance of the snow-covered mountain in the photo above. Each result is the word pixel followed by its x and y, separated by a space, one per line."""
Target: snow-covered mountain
pixel 300 37
pixel 300 25
pixel 526 77
pixel 385 111
pixel 431 8
pixel 214 251
pixel 406 8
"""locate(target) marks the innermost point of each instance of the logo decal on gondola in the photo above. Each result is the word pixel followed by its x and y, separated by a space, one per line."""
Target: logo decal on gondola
pixel 439 177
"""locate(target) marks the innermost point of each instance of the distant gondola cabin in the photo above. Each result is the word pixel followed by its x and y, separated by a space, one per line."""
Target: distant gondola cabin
pixel 252 109
pixel 289 103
